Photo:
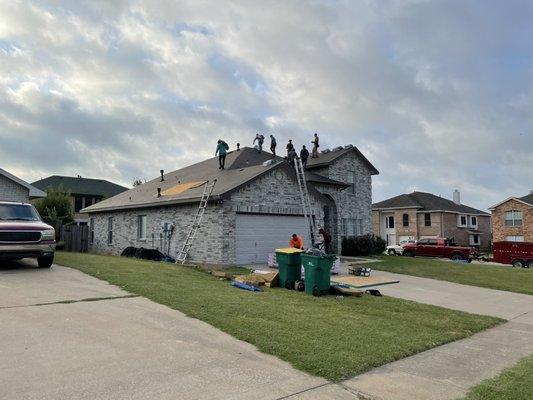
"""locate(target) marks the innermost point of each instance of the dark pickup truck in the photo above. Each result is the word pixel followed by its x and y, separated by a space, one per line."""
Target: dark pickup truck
pixel 24 235
pixel 439 247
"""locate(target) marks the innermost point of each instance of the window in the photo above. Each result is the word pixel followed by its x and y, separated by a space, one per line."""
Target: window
pixel 110 230
pixel 91 231
pixel 351 227
pixel 432 242
pixel 474 240
pixel 78 203
pixel 405 220
pixel 514 238
pixel 353 181
pixel 427 219
pixel 513 218
pixel 473 221
pixel 462 220
pixel 389 222
pixel 141 227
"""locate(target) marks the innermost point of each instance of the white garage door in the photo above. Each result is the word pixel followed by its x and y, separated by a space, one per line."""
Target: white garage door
pixel 259 235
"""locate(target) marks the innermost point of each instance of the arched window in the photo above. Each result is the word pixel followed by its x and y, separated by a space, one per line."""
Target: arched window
pixel 406 220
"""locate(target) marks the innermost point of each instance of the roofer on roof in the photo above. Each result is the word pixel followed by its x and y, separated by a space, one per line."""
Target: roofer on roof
pixel 296 242
pixel 273 144
pixel 315 146
pixel 260 139
pixel 304 155
pixel 222 150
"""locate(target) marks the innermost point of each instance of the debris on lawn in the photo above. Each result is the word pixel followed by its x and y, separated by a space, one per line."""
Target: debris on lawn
pixel 374 292
pixel 360 282
pixel 346 290
pixel 221 274
pixel 269 279
pixel 244 286
pixel 357 270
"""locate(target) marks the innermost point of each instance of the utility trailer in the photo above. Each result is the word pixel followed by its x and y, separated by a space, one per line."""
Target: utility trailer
pixel 518 254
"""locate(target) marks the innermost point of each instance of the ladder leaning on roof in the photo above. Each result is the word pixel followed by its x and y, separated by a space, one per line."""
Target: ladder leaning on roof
pixel 184 252
pixel 306 202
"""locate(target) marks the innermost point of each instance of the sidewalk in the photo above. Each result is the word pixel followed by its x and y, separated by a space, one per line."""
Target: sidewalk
pixel 447 372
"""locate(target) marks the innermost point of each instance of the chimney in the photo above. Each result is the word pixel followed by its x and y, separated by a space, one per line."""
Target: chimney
pixel 162 177
pixel 158 192
pixel 238 146
pixel 457 197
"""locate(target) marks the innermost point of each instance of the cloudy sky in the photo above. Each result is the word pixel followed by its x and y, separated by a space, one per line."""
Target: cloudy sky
pixel 437 94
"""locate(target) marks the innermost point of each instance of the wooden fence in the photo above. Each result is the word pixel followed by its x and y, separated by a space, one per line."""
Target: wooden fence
pixel 75 238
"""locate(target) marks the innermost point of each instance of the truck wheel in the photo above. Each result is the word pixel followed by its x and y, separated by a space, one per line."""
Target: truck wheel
pixel 391 252
pixel 408 254
pixel 457 257
pixel 45 262
pixel 530 264
pixel 518 263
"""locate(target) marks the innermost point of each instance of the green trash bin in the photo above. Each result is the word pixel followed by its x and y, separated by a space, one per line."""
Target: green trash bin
pixel 290 266
pixel 317 273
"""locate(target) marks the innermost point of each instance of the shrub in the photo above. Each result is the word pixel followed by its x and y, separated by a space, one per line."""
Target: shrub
pixel 365 245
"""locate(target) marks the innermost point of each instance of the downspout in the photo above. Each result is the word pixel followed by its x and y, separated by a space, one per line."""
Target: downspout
pixel 441 224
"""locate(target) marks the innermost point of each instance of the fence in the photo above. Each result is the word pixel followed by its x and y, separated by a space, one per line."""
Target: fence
pixel 75 238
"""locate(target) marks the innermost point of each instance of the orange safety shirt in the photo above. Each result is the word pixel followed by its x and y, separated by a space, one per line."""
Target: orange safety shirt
pixel 297 243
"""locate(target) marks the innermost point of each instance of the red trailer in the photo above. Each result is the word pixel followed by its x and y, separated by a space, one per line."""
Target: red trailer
pixel 519 254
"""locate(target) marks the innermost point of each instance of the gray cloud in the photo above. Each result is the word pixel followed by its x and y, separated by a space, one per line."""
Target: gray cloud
pixel 438 95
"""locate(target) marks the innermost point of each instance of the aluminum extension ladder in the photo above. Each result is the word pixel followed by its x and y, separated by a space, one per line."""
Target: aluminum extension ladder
pixel 306 202
pixel 184 252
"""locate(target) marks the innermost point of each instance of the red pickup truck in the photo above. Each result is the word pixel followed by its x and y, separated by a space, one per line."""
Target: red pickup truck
pixel 439 247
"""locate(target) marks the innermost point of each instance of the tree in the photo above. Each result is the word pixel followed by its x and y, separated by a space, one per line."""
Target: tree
pixel 56 207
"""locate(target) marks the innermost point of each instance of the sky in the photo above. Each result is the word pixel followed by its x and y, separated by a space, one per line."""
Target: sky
pixel 438 95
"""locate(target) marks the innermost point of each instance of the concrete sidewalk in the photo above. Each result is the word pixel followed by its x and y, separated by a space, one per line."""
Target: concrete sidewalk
pixel 447 372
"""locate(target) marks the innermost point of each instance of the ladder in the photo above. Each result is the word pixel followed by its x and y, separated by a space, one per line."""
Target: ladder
pixel 184 252
pixel 306 202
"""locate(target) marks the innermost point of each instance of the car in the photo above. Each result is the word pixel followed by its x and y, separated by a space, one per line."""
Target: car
pixel 397 249
pixel 439 247
pixel 23 234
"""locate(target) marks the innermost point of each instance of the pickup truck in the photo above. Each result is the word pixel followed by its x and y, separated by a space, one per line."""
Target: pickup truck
pixel 23 234
pixel 439 247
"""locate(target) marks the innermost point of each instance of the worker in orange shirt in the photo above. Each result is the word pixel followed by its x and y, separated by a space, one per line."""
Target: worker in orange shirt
pixel 296 242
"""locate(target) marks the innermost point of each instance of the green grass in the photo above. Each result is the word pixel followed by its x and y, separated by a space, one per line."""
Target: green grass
pixel 515 383
pixel 482 275
pixel 323 336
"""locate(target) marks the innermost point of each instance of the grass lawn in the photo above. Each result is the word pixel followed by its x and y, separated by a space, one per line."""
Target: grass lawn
pixel 515 383
pixel 488 276
pixel 323 336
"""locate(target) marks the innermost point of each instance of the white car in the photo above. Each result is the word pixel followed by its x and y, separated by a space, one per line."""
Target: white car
pixel 397 249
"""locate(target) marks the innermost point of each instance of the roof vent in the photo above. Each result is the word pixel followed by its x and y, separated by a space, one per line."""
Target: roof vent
pixel 348 146
pixel 268 162
pixel 338 148
pixel 158 192
pixel 162 177
pixel 326 151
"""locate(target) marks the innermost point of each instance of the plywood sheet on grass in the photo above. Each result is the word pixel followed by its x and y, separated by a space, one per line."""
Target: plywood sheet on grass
pixel 362 281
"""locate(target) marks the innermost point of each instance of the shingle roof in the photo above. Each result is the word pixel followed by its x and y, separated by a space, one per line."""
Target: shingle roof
pixel 86 186
pixel 326 159
pixel 33 191
pixel 242 167
pixel 312 177
pixel 527 199
pixel 425 201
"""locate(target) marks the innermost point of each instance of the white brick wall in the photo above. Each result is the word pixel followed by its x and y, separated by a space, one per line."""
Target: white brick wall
pixel 12 191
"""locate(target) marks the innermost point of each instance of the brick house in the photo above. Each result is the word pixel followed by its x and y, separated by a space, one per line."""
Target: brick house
pixel 420 215
pixel 254 208
pixel 83 192
pixel 13 188
pixel 512 219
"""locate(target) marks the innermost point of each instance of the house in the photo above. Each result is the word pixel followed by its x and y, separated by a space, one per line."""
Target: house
pixel 420 215
pixel 512 219
pixel 15 189
pixel 83 192
pixel 254 208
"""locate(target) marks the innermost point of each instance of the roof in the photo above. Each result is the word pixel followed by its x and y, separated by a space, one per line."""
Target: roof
pixel 87 186
pixel 242 167
pixel 33 191
pixel 527 199
pixel 325 159
pixel 316 178
pixel 425 202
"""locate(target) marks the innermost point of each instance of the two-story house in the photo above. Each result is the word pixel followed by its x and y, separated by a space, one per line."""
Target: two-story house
pixel 512 219
pixel 83 192
pixel 420 215
pixel 255 206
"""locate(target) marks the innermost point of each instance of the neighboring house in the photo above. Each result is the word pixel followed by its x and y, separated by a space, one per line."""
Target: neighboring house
pixel 84 192
pixel 420 215
pixel 254 208
pixel 15 189
pixel 512 219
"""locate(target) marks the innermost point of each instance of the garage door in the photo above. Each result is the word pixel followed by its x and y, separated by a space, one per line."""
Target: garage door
pixel 259 235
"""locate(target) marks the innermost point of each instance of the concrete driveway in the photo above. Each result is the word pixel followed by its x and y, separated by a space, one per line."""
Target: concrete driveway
pixel 66 335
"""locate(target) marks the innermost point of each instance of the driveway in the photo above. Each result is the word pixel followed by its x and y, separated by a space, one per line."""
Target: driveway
pixel 66 335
